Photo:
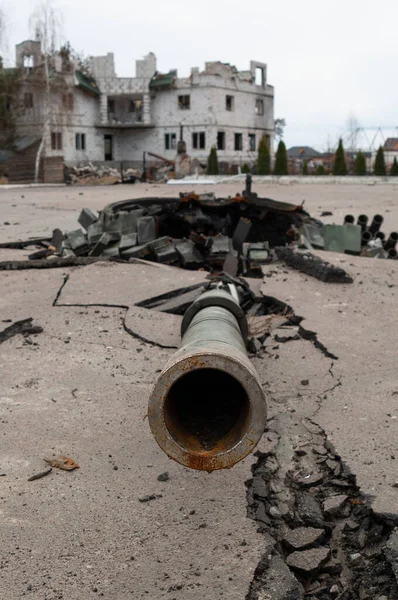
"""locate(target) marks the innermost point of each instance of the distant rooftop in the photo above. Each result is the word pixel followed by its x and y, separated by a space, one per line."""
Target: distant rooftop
pixel 302 152
pixel 391 144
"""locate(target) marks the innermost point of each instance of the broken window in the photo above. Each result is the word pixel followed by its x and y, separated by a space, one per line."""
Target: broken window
pixel 260 76
pixel 229 103
pixel 184 102
pixel 56 141
pixel 238 141
pixel 199 140
pixel 67 101
pixel 132 106
pixel 111 106
pixel 221 140
pixel 259 106
pixel 28 62
pixel 170 141
pixel 28 100
pixel 80 141
pixel 252 142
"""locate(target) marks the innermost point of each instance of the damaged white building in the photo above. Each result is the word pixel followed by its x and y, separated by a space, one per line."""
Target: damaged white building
pixel 104 118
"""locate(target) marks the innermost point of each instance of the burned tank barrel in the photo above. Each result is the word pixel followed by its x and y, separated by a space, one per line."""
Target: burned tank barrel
pixel 207 410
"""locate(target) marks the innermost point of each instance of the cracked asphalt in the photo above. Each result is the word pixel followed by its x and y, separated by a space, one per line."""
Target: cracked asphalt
pixel 81 388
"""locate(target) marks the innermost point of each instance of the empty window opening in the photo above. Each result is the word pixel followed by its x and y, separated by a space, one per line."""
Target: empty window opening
pixel 184 102
pixel 56 141
pixel 229 103
pixel 252 142
pixel 67 101
pixel 28 100
pixel 238 141
pixel 132 106
pixel 259 106
pixel 111 106
pixel 199 140
pixel 216 415
pixel 170 141
pixel 221 140
pixel 28 62
pixel 108 146
pixel 80 141
pixel 260 76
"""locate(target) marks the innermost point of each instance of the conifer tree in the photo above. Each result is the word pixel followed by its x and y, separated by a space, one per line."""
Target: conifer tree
pixel 360 164
pixel 281 160
pixel 380 165
pixel 212 162
pixel 263 158
pixel 339 167
pixel 394 168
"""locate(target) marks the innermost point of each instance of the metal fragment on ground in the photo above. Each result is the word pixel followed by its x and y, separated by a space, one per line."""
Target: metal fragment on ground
pixel 313 265
pixel 62 462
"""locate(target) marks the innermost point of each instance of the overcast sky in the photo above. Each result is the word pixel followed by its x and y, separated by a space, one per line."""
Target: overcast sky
pixel 326 60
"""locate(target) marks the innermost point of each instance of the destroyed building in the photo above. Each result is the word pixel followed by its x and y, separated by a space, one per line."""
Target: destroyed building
pixel 98 117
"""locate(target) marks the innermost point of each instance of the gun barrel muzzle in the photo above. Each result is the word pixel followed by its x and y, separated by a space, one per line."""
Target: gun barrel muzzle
pixel 207 410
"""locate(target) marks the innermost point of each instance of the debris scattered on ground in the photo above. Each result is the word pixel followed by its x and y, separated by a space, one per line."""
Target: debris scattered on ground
pixel 334 544
pixel 150 497
pixel 199 231
pixel 62 462
pixel 164 476
pixel 40 475
pixel 23 327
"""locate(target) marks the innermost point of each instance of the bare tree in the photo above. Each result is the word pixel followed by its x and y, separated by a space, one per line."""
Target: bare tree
pixel 353 128
pixel 46 25
pixel 279 126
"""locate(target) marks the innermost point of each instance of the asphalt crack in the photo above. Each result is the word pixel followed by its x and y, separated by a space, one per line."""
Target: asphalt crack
pixel 127 329
pixel 322 538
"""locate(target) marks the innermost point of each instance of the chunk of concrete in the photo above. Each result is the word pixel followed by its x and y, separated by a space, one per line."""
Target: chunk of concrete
pixel 309 510
pixel 308 561
pixel 302 538
pixel 334 504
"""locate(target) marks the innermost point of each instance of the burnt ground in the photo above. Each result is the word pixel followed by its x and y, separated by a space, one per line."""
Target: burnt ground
pixel 320 495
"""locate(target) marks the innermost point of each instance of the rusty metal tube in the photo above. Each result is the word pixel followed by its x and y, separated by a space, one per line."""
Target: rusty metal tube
pixel 207 410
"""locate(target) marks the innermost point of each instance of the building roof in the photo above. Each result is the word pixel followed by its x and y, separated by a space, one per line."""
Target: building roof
pixel 87 83
pixel 391 144
pixel 162 81
pixel 302 152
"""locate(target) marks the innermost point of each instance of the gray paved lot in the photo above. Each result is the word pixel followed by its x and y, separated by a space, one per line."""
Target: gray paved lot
pixel 82 391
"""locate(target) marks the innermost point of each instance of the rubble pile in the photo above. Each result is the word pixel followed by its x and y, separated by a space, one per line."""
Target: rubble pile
pixel 89 174
pixel 324 542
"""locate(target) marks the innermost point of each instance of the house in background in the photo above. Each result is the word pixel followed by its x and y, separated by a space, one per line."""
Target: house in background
pixel 390 149
pixel 298 154
pixel 98 117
